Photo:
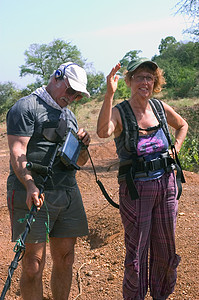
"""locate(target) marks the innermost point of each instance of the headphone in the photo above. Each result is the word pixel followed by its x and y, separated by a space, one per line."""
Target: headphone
pixel 59 74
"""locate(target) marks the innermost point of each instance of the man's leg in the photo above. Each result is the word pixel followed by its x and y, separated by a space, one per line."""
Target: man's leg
pixel 32 268
pixel 62 252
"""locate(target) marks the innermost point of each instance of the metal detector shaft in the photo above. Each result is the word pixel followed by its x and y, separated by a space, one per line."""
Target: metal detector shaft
pixel 32 213
pixel 19 250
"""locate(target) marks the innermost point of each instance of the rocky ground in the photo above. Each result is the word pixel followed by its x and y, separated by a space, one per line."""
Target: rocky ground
pixel 98 268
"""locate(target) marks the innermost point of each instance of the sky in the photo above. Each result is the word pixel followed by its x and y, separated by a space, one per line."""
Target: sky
pixel 104 31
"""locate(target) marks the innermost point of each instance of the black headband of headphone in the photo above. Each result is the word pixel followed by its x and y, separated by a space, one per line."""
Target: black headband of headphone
pixel 59 74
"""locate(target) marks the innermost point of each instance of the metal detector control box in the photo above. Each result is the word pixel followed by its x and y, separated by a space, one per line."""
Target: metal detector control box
pixel 70 150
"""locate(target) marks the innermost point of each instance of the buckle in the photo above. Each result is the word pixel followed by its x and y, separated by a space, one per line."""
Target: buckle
pixel 142 165
pixel 153 164
pixel 164 162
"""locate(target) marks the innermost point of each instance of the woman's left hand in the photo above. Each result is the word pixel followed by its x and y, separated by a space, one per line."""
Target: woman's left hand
pixel 112 79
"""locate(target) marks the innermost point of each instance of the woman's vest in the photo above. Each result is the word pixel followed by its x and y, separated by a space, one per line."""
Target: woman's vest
pixel 138 166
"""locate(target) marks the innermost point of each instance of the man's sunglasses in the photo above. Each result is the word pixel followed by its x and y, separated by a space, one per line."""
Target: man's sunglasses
pixel 73 93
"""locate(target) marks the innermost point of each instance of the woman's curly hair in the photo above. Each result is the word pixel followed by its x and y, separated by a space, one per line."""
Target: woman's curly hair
pixel 157 73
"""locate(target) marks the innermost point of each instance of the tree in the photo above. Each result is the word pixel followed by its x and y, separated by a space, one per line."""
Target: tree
pixel 191 9
pixel 42 60
pixel 129 56
pixel 165 43
pixel 96 83
pixel 122 92
pixel 180 62
pixel 9 94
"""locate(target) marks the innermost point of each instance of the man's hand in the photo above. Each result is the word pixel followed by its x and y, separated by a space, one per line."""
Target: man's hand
pixel 84 136
pixel 33 197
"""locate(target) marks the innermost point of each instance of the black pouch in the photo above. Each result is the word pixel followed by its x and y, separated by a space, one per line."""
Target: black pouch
pixel 54 131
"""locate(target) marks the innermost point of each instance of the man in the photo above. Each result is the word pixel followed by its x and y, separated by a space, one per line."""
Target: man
pixel 63 204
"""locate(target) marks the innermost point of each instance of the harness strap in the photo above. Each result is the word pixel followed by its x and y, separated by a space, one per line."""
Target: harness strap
pixel 178 180
pixel 143 167
pixel 130 126
pixel 179 175
pixel 131 184
pixel 129 170
pixel 159 112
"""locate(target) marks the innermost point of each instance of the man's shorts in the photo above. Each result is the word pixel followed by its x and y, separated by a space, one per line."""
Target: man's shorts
pixel 64 210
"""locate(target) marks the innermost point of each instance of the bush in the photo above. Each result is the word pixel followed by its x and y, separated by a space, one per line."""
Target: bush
pixel 9 94
pixel 122 92
pixel 189 154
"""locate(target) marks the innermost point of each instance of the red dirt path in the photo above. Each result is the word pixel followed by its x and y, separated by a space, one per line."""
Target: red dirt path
pixel 99 257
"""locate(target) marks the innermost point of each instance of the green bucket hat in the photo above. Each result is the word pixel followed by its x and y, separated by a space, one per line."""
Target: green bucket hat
pixel 134 64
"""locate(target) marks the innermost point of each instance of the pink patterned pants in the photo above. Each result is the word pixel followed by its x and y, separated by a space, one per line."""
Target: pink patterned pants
pixel 149 223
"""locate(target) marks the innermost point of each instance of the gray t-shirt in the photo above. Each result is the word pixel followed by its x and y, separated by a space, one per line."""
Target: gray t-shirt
pixel 27 117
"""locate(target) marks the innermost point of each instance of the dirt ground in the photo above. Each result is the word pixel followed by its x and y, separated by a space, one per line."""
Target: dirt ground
pixel 98 268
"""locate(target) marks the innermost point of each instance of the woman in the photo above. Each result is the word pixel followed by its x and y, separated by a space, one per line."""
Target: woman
pixel 148 193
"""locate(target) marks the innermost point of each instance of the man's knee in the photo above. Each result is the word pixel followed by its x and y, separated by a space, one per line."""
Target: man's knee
pixel 64 260
pixel 62 251
pixel 32 267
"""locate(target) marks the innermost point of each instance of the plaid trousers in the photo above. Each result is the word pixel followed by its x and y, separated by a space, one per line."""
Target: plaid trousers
pixel 149 223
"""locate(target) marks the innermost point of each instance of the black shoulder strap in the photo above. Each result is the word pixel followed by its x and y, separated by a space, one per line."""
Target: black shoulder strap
pixel 159 112
pixel 130 126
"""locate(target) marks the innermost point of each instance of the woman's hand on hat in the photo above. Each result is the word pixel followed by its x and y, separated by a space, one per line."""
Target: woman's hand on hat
pixel 112 79
pixel 84 136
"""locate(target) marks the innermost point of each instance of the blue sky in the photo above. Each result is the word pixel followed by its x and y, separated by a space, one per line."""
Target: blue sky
pixel 104 31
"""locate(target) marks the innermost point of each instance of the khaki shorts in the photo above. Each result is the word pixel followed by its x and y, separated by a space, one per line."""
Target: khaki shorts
pixel 65 210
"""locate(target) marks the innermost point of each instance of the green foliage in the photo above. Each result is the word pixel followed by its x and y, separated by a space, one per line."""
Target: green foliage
pixel 96 83
pixel 122 92
pixel 75 105
pixel 9 94
pixel 189 154
pixel 180 62
pixel 165 43
pixel 184 83
pixel 129 56
pixel 42 60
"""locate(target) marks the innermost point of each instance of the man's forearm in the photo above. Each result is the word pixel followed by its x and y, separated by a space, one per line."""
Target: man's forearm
pixel 22 173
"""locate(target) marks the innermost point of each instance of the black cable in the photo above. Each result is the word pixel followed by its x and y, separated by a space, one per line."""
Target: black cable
pixel 100 184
